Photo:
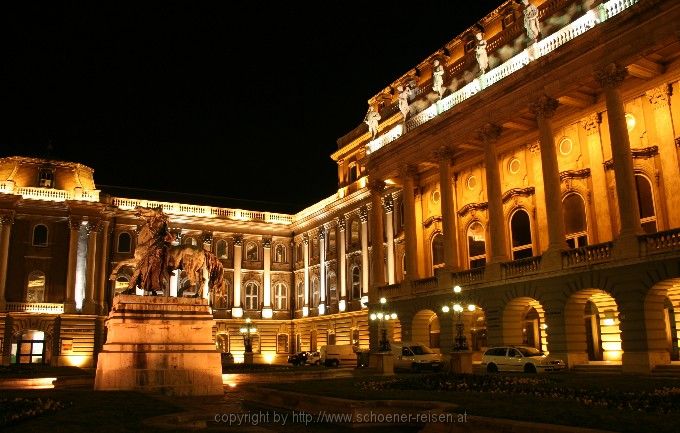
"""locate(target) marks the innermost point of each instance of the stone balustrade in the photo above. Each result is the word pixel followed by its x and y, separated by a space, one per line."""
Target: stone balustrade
pixel 586 255
pixel 517 268
pixel 35 307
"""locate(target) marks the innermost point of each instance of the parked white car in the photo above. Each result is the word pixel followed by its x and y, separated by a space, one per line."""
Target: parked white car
pixel 519 358
pixel 415 356
pixel 335 355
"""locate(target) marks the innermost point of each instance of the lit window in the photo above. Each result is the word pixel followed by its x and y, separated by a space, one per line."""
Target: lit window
pixel 122 283
pixel 354 232
pixel 476 245
pixel 438 251
pixel 46 177
pixel 353 172
pixel 40 235
pixel 332 289
pixel 252 295
pixel 520 230
pixel 190 241
pixel 280 296
pixel 252 253
pixel 331 337
pixel 124 242
pixel 280 254
pixel 330 235
pixel 35 292
pixel 300 295
pixel 315 292
pixel 356 282
pixel 221 249
pixel 575 221
pixel 645 197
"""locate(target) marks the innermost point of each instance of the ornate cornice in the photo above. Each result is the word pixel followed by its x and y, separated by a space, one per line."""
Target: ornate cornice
pixel 544 107
pixel 472 207
pixel 518 192
pixel 611 76
pixel 574 174
pixel 644 153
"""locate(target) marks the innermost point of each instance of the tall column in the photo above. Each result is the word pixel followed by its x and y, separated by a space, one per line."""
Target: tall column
pixel 102 303
pixel 363 216
pixel 322 270
pixel 489 134
pixel 342 304
pixel 305 254
pixel 444 155
pixel 74 225
pixel 89 304
pixel 5 231
pixel 267 312
pixel 237 310
pixel 659 98
pixel 591 125
pixel 409 175
pixel 610 78
pixel 389 231
pixel 544 109
pixel 377 188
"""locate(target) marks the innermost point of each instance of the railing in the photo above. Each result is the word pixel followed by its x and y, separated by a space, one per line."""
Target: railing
pixel 586 255
pixel 424 285
pixel 207 211
pixel 516 268
pixel 51 194
pixel 545 46
pixel 470 276
pixel 35 307
pixel 660 241
pixel 390 290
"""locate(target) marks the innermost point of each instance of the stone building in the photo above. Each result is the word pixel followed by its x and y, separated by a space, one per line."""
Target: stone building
pixel 545 183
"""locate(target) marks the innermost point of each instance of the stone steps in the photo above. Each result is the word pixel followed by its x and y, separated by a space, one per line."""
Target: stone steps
pixel 671 370
pixel 597 368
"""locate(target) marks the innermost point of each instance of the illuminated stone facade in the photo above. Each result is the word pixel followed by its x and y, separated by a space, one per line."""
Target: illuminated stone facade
pixel 548 187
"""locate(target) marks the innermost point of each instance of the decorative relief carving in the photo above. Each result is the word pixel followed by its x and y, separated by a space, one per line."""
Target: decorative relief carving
pixel 611 76
pixel 544 107
pixel 591 123
pixel 534 147
pixel 574 174
pixel 472 207
pixel 431 220
pixel 659 96
pixel 644 153
pixel 517 192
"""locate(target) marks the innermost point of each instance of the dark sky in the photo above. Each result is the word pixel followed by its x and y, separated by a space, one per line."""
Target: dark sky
pixel 233 99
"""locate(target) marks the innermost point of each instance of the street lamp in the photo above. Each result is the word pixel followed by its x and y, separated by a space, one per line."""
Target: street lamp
pixel 383 316
pixel 246 331
pixel 458 305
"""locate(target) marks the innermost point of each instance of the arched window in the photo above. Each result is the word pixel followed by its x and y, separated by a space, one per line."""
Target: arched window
pixel 356 282
pixel 280 254
pixel 221 249
pixel 280 296
pixel 252 296
pixel 353 172
pixel 124 242
pixel 354 232
pixel 252 253
pixel 315 247
pixel 645 197
pixel 40 235
pixel 220 300
pixel 330 235
pixel 437 251
pixel 190 241
pixel 299 255
pixel 315 291
pixel 330 337
pixel 122 282
pixel 35 290
pixel 476 245
pixel 282 343
pixel 575 221
pixel 520 230
pixel 300 295
pixel 331 284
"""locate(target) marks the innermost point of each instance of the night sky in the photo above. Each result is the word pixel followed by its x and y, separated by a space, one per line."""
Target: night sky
pixel 243 100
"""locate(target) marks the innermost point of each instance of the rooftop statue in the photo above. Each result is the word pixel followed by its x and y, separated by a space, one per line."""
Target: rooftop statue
pixel 404 95
pixel 438 78
pixel 371 119
pixel 480 53
pixel 531 23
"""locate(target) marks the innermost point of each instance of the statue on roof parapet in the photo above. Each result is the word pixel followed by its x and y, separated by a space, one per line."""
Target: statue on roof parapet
pixel 371 119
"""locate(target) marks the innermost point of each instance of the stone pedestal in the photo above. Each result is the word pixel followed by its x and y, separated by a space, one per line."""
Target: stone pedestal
pixel 461 362
pixel 248 357
pixel 382 363
pixel 160 344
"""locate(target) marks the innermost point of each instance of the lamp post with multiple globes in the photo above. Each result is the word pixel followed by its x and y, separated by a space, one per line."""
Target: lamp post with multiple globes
pixel 383 316
pixel 247 331
pixel 459 305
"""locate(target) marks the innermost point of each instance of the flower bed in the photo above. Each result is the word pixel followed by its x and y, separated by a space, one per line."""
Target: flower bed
pixel 660 400
pixel 18 409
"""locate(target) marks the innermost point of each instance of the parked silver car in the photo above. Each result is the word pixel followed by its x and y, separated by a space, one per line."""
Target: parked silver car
pixel 519 358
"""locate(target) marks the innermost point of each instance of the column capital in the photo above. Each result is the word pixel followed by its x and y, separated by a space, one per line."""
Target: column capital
pixel 342 223
pixel 488 133
pixel 238 240
pixel 7 218
pixel 376 186
pixel 363 214
pixel 322 233
pixel 408 171
pixel 611 76
pixel 305 239
pixel 544 107
pixel 591 123
pixel 207 237
pixel 75 222
pixel 388 202
pixel 93 226
pixel 443 154
pixel 266 242
pixel 659 96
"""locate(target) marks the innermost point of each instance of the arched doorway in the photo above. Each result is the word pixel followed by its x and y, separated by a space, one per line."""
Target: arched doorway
pixel 425 328
pixel 524 324
pixel 592 327
pixel 662 318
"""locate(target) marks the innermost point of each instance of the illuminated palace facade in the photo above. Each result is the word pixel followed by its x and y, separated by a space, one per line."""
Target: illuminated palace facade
pixel 538 170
